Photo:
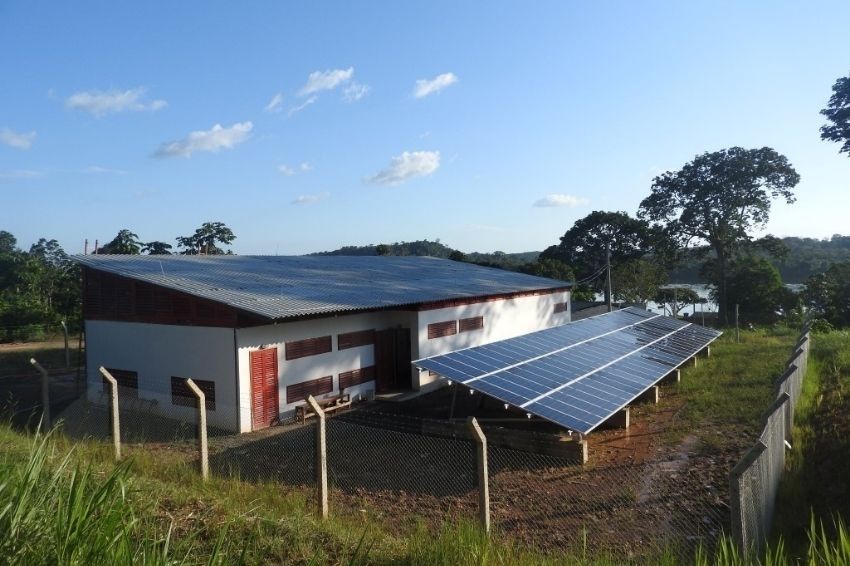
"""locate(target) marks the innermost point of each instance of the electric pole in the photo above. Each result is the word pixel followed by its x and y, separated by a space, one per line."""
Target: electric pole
pixel 608 270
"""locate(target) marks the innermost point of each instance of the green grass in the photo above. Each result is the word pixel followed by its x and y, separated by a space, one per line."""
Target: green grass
pixel 16 360
pixel 816 485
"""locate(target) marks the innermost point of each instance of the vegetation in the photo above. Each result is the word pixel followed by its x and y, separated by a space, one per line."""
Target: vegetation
pixel 755 285
pixel 718 199
pixel 828 294
pixel 38 289
pixel 837 113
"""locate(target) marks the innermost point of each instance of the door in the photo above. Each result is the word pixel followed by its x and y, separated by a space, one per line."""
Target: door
pixel 264 388
pixel 392 360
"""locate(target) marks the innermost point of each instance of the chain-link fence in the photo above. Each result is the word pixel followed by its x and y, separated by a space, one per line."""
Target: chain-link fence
pixel 402 471
pixel 754 482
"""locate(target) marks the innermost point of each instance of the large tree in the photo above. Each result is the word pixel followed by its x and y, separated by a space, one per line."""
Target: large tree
pixel 828 294
pixel 125 242
pixel 583 247
pixel 837 112
pixel 719 198
pixel 205 238
pixel 756 287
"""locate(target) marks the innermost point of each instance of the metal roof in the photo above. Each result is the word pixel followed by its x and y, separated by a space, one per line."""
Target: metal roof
pixel 279 287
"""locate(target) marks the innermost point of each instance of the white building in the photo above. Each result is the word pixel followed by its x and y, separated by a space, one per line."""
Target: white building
pixel 261 333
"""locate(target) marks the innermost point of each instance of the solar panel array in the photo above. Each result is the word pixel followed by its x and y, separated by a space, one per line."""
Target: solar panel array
pixel 579 374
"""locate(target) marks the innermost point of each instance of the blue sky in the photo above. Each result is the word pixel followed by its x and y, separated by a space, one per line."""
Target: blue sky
pixel 327 124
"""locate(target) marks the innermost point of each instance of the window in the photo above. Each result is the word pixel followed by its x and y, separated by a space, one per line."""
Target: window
pixel 356 376
pixel 474 323
pixel 308 347
pixel 182 395
pixel 440 329
pixel 354 339
pixel 128 382
pixel 560 307
pixel 315 387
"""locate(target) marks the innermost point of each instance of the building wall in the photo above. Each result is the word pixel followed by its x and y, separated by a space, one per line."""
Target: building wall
pixel 157 352
pixel 333 363
pixel 502 319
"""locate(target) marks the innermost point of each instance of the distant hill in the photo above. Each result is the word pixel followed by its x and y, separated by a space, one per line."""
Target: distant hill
pixel 806 257
pixel 438 249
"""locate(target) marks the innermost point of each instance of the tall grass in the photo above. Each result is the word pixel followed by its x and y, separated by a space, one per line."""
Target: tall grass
pixel 55 510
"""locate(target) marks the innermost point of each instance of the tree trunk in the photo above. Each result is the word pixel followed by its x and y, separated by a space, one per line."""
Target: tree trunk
pixel 722 306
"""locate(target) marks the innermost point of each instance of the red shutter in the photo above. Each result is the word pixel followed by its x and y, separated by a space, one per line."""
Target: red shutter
pixel 264 388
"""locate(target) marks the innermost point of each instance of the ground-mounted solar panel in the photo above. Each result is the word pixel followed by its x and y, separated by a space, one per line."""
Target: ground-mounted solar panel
pixel 579 374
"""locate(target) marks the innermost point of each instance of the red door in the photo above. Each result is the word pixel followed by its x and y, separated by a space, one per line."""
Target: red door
pixel 264 388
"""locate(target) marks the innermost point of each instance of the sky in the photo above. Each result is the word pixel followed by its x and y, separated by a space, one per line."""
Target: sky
pixel 487 125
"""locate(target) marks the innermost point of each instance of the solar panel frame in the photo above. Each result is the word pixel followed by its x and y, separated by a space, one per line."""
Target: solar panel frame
pixel 577 375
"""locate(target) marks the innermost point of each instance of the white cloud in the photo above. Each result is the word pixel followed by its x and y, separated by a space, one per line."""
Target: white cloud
pixel 326 80
pixel 425 87
pixel 101 103
pixel 301 107
pixel 275 103
pixel 354 92
pixel 557 199
pixel 17 140
pixel 213 140
pixel 98 170
pixel 289 171
pixel 21 174
pixel 406 166
pixel 310 199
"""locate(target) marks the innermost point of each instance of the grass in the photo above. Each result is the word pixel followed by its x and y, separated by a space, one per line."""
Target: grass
pixel 15 359
pixel 724 398
pixel 816 485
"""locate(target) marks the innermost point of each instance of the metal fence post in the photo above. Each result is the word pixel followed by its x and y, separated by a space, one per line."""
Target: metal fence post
pixel 45 394
pixel 116 425
pixel 321 459
pixel 483 480
pixel 202 428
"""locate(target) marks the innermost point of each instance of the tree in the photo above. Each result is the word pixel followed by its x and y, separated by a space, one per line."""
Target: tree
pixel 382 249
pixel 457 255
pixel 756 287
pixel 204 240
pixel 637 281
pixel 156 248
pixel 584 245
pixel 676 298
pixel 551 268
pixel 8 242
pixel 719 198
pixel 828 294
pixel 837 112
pixel 126 242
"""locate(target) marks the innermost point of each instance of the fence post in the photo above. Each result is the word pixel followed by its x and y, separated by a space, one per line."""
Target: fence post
pixel 321 459
pixel 483 480
pixel 202 428
pixel 113 402
pixel 45 394
pixel 67 350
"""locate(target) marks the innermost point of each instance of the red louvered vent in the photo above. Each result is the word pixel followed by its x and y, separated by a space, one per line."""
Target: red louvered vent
pixel 308 347
pixel 182 395
pixel 356 376
pixel 301 391
pixel 474 323
pixel 560 307
pixel 440 329
pixel 354 339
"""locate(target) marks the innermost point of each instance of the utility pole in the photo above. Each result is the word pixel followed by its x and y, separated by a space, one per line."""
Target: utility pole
pixel 608 287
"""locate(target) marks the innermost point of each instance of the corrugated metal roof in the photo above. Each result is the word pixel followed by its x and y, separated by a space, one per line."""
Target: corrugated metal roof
pixel 279 287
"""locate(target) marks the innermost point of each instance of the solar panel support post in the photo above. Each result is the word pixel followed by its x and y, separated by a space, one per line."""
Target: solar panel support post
pixel 202 428
pixel 481 465
pixel 454 398
pixel 45 394
pixel 321 459
pixel 113 401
